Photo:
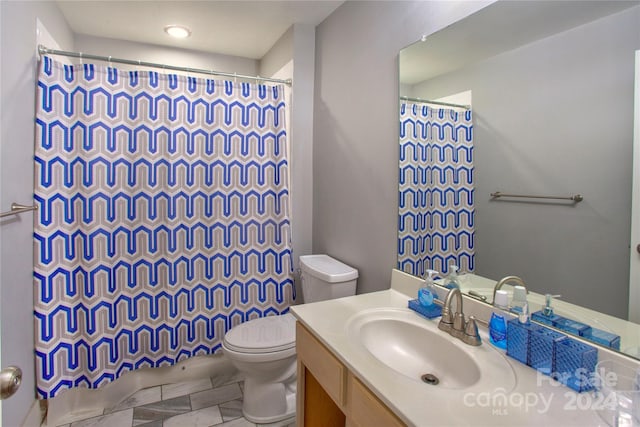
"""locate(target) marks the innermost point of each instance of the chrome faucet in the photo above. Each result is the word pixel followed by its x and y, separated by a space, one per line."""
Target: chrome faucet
pixel 509 279
pixel 454 324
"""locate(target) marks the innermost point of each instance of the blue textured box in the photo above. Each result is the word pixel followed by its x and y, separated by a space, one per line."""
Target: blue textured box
pixel 572 326
pixel 428 312
pixel 543 347
pixel 519 339
pixel 604 338
pixel 575 364
pixel 540 317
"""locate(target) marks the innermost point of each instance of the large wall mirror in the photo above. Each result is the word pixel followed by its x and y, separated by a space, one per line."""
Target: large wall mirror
pixel 538 101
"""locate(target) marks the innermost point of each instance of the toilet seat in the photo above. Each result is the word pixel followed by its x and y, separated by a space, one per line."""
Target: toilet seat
pixel 269 334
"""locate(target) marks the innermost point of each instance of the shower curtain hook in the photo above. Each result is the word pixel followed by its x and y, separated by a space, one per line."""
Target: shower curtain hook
pixel 110 64
pixel 235 78
pixel 81 63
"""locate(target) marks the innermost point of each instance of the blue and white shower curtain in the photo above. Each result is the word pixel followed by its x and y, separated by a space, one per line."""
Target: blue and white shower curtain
pixel 436 207
pixel 163 218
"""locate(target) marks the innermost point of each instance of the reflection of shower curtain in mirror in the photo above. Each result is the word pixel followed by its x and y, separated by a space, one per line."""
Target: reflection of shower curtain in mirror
pixel 436 213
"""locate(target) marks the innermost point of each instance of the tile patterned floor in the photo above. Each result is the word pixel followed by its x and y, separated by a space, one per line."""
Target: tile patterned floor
pixel 190 404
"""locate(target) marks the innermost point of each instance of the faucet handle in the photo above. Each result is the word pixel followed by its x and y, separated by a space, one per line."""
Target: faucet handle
pixel 471 335
pixel 446 321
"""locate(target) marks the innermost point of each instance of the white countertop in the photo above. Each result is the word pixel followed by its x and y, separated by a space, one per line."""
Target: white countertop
pixel 535 400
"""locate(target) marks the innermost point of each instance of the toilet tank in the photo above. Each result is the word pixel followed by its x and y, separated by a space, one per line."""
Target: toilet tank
pixel 326 278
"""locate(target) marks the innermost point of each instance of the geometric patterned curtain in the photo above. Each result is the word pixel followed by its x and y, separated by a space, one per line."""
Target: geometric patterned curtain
pixel 436 205
pixel 163 218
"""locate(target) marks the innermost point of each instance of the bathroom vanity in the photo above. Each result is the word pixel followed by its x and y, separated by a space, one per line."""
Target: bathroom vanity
pixel 330 394
pixel 342 381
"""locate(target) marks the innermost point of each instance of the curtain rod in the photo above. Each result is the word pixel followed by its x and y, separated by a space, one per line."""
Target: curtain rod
pixel 426 101
pixel 44 50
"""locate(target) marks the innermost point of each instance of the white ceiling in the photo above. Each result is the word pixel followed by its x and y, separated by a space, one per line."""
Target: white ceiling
pixel 241 28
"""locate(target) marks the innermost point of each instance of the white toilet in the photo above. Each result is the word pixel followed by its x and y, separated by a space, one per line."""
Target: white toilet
pixel 265 349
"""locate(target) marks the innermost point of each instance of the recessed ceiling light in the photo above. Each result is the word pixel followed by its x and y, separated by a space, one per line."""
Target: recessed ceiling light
pixel 177 31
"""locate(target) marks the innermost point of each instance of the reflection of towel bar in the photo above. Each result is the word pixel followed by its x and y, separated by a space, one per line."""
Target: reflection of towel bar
pixel 17 209
pixel 575 198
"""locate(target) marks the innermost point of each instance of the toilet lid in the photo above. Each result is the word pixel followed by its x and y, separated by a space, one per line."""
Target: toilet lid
pixel 264 335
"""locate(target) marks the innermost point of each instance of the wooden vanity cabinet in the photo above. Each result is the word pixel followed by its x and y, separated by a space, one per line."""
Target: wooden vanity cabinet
pixel 329 394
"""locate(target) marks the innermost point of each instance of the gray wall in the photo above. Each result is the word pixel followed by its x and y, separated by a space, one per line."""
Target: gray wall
pixel 556 117
pixel 17 94
pixel 164 55
pixel 278 56
pixel 297 45
pixel 355 149
pixel 302 119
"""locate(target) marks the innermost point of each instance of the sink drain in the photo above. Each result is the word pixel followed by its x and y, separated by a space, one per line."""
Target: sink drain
pixel 430 379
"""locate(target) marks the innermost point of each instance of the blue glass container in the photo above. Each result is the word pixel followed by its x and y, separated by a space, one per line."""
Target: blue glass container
pixel 544 319
pixel 575 364
pixel 572 326
pixel 519 339
pixel 604 338
pixel 543 347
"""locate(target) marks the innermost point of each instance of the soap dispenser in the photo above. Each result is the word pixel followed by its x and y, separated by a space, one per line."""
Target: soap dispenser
pixel 427 294
pixel 519 335
pixel 452 280
pixel 498 323
pixel 548 310
pixel 523 317
pixel 425 304
pixel 546 316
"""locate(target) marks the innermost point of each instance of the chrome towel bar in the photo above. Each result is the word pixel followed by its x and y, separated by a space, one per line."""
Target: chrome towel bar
pixel 17 208
pixel 575 198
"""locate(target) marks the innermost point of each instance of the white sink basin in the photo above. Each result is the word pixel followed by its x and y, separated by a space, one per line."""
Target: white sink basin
pixel 401 340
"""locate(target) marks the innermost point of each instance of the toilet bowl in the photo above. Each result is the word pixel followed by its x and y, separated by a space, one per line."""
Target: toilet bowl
pixel 264 349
